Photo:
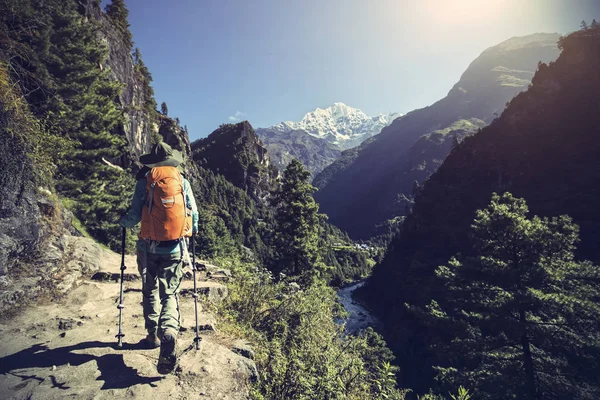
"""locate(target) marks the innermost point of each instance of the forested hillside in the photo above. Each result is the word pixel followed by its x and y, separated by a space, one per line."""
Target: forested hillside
pixel 480 298
pixel 236 152
pixel 376 181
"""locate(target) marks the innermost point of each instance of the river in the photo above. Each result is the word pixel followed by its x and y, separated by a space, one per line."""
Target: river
pixel 359 317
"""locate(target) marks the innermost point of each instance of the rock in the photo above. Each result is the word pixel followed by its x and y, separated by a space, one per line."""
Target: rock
pixel 213 292
pixel 206 266
pixel 210 327
pixel 218 276
pixel 248 369
pixel 225 272
pixel 65 324
pixel 243 349
pixel 103 276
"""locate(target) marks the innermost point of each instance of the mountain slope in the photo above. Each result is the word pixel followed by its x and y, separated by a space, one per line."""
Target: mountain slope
pixel 339 124
pixel 544 148
pixel 313 152
pixel 236 152
pixel 382 164
pixel 320 137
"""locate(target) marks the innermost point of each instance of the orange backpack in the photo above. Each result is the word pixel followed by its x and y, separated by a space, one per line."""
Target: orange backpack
pixel 165 216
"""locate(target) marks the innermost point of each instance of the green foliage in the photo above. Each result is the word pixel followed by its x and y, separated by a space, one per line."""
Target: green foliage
pixel 533 150
pixel 301 352
pixel 229 218
pixel 164 110
pixel 462 394
pixel 117 12
pixel 235 152
pixel 145 77
pixel 31 148
pixel 297 223
pixel 519 306
pixel 345 260
pixel 55 56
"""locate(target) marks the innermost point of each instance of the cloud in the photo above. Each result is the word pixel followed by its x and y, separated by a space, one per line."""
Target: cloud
pixel 237 116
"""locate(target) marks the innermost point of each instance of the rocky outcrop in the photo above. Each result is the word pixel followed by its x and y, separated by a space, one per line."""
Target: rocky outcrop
pixel 139 120
pixel 236 152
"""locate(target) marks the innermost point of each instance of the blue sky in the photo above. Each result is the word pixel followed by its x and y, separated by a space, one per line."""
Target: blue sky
pixel 273 60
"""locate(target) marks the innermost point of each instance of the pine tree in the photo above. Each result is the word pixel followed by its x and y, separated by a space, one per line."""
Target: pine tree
pixel 519 307
pixel 584 25
pixel 117 12
pixel 145 77
pixel 594 24
pixel 297 222
pixel 164 110
pixel 78 100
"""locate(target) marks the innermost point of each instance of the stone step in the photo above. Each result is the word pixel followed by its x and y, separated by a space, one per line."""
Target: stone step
pixel 212 291
pixel 104 276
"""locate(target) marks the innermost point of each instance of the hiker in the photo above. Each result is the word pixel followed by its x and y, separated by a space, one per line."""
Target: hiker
pixel 164 203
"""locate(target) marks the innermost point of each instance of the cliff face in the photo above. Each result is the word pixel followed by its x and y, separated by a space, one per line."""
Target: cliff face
pixel 139 120
pixel 362 188
pixel 33 225
pixel 236 152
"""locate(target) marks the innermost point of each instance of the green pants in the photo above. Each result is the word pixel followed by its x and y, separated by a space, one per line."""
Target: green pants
pixel 161 278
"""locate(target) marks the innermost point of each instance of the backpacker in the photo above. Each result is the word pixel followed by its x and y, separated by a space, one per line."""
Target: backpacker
pixel 165 216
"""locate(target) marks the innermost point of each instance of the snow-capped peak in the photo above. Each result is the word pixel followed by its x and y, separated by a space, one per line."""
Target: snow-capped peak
pixel 340 124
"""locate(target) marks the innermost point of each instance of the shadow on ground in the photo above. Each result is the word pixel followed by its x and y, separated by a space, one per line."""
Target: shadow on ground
pixel 113 370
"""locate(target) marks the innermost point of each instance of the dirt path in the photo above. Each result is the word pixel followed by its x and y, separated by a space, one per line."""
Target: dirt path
pixel 68 350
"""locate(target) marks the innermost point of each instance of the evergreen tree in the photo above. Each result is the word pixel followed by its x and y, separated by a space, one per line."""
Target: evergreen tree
pixel 584 25
pixel 594 24
pixel 521 316
pixel 117 11
pixel 56 60
pixel 85 109
pixel 164 110
pixel 297 222
pixel 145 76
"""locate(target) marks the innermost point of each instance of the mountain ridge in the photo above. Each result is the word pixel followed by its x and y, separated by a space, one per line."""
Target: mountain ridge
pixel 379 165
pixel 535 150
pixel 339 124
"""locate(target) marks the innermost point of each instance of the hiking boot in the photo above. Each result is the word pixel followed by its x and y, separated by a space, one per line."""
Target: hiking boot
pixel 152 341
pixel 167 360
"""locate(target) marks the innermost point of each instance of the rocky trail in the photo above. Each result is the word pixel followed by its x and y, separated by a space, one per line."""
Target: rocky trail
pixel 68 349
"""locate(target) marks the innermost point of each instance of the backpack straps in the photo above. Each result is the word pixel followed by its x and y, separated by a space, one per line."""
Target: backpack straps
pixel 151 197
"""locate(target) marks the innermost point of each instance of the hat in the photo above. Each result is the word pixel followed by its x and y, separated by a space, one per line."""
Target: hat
pixel 162 155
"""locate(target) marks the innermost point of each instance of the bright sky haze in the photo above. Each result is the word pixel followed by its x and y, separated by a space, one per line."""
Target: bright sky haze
pixel 218 61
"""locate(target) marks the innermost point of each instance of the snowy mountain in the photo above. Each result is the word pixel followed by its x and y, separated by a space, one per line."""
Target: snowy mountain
pixel 339 124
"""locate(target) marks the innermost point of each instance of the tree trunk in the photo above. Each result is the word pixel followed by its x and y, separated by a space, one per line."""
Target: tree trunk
pixel 527 359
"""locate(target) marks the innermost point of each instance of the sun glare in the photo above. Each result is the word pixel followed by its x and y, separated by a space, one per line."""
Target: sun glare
pixel 453 12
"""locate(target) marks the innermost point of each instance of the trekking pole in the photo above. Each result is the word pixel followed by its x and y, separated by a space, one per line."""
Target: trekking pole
pixel 120 335
pixel 197 338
